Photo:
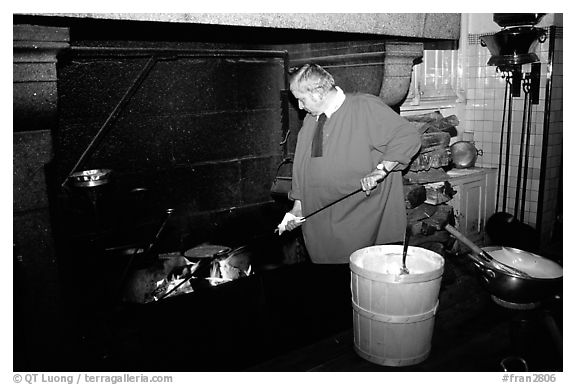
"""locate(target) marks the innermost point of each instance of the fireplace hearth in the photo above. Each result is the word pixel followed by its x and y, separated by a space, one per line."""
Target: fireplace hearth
pixel 188 112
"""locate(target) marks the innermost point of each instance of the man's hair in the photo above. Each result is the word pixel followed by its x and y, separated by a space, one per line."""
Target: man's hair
pixel 312 78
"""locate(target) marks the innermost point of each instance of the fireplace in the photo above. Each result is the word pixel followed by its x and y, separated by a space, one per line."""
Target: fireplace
pixel 189 113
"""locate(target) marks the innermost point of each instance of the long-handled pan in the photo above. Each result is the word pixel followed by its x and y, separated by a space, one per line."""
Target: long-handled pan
pixel 543 282
pixel 482 257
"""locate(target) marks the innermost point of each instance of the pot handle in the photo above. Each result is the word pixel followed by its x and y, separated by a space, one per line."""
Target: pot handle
pixel 514 364
pixel 542 37
pixel 487 273
pixel 475 249
pixel 284 161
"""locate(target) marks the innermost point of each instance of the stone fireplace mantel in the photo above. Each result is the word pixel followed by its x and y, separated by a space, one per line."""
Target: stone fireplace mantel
pixel 407 25
pixel 403 33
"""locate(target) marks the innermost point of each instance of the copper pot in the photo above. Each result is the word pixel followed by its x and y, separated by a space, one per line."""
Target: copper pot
pixel 464 154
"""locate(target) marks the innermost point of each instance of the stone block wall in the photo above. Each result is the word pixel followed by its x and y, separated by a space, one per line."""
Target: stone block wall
pixel 201 133
pixel 37 287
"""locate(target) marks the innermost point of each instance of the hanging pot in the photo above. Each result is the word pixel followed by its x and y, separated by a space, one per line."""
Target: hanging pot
pixel 513 46
pixel 90 178
pixel 506 20
pixel 464 154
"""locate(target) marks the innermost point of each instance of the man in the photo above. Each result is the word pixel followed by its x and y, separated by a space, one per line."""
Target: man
pixel 360 141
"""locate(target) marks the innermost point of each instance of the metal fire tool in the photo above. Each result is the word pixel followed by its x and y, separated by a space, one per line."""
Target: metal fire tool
pixel 146 251
pixel 404 270
pixel 344 197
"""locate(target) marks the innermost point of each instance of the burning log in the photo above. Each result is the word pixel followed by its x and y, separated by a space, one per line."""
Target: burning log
pixel 174 274
pixel 233 266
pixel 144 284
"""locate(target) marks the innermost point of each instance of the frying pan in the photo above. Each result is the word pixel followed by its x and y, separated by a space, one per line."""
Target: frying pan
pixel 544 283
pixel 483 258
pixel 539 278
pixel 206 251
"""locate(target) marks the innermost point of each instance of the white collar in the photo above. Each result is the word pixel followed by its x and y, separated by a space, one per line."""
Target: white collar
pixel 336 102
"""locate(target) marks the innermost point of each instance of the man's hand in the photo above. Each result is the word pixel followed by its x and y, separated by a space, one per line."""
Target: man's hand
pixel 289 222
pixel 370 181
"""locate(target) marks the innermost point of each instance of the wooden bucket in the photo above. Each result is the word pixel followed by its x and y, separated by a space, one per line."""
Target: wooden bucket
pixel 393 313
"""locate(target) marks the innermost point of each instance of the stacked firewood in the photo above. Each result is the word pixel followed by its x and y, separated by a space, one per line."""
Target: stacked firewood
pixel 435 131
pixel 427 189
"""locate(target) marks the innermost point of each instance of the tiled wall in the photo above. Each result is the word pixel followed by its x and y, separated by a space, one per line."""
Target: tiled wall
pixel 485 94
pixel 551 189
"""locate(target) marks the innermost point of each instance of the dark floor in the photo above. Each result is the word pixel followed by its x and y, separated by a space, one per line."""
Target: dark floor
pixel 286 319
pixel 477 344
pixel 472 333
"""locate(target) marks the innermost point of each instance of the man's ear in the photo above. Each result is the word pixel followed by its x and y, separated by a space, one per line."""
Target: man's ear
pixel 317 96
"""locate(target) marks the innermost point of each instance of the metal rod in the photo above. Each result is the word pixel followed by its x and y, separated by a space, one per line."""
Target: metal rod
pixel 344 197
pixel 285 106
pixel 177 286
pixel 507 160
pixel 332 58
pixel 506 90
pixel 157 236
pixel 546 128
pixel 526 88
pixel 113 115
pixel 144 51
pixel 333 203
pixel 526 159
pixel 144 253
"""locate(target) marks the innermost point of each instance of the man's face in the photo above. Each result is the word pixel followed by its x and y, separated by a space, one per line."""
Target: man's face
pixel 309 101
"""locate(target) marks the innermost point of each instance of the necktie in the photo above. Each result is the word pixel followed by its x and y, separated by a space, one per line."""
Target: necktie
pixel 318 137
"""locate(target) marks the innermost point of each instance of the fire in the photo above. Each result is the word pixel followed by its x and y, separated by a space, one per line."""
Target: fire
pixel 221 271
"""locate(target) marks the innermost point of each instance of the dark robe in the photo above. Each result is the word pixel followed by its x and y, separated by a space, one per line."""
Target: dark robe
pixel 360 134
